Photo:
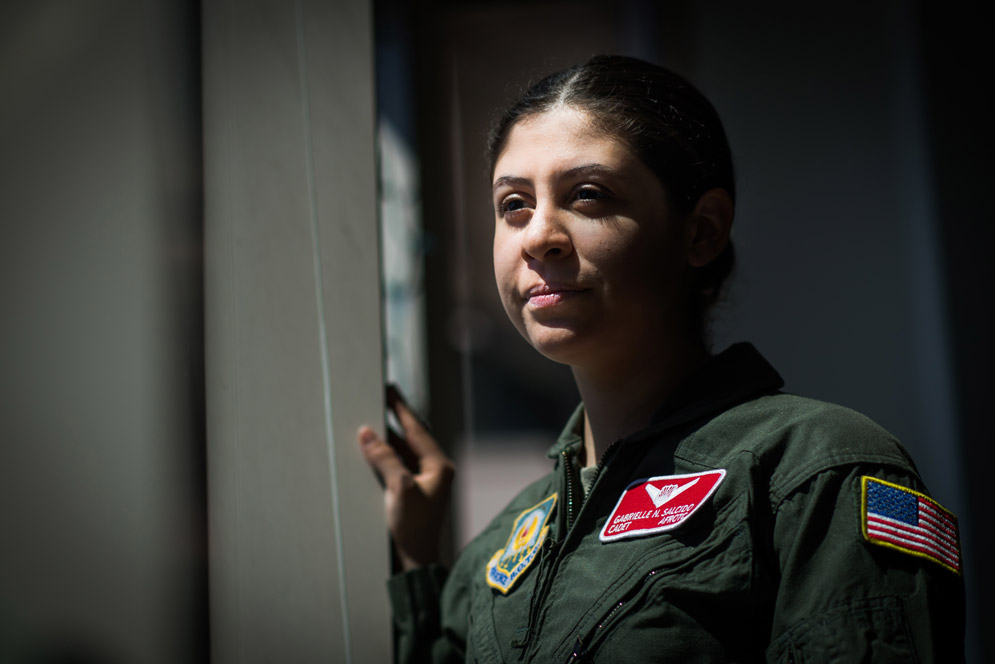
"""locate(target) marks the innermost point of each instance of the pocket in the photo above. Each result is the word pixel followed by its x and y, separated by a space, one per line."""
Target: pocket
pixel 873 629
pixel 691 597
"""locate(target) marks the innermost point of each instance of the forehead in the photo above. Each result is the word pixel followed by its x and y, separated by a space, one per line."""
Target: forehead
pixel 560 138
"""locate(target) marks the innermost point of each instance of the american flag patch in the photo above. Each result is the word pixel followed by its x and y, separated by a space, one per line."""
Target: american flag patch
pixel 909 521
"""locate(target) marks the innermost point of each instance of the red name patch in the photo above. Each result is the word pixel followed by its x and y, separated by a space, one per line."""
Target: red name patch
pixel 658 504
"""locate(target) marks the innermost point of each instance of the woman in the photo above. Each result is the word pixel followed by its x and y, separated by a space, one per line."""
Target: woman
pixel 694 512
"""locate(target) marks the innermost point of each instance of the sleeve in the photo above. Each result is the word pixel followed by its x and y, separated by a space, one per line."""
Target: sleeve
pixel 417 606
pixel 842 597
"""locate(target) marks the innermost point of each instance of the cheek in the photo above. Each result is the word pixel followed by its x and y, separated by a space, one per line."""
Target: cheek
pixel 500 268
pixel 504 269
pixel 639 262
pixel 617 256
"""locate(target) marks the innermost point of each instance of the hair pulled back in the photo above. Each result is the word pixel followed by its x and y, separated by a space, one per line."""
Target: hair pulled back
pixel 666 121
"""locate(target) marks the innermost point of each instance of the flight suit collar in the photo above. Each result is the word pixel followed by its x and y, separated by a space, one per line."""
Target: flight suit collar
pixel 733 376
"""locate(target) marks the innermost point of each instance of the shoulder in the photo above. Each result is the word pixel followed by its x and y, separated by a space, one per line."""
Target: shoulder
pixel 794 438
pixel 807 472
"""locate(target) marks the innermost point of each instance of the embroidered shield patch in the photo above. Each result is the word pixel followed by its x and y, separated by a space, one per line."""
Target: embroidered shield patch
pixel 527 535
pixel 909 521
pixel 657 504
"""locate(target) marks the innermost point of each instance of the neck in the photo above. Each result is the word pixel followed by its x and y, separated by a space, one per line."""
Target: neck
pixel 621 400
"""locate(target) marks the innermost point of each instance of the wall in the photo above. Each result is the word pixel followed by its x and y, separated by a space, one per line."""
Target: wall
pixel 298 546
pixel 104 475
pixel 101 386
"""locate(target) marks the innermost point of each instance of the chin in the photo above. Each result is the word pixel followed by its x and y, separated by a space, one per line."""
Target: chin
pixel 558 344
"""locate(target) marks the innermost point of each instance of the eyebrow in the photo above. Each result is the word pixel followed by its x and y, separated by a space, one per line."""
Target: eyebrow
pixel 577 171
pixel 509 180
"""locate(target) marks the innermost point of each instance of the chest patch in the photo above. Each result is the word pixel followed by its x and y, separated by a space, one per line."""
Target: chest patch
pixel 909 521
pixel 657 504
pixel 527 535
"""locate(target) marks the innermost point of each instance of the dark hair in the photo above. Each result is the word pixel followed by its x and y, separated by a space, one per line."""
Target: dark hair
pixel 665 120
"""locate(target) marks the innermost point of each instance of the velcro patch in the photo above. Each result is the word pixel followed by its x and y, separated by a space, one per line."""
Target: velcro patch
pixel 658 504
pixel 527 535
pixel 909 521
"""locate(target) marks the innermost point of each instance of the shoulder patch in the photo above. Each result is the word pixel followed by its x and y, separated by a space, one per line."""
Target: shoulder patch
pixel 910 522
pixel 657 504
pixel 527 535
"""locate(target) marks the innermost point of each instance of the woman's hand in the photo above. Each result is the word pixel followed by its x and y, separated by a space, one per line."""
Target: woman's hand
pixel 417 477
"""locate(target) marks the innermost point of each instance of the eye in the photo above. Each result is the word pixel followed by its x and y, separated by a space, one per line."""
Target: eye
pixel 510 205
pixel 589 193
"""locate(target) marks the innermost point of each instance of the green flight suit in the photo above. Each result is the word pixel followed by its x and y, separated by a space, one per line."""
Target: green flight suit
pixel 774 566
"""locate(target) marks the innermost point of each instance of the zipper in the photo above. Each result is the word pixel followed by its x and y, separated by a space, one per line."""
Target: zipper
pixel 579 651
pixel 571 489
pixel 548 565
pixel 571 480
pixel 608 617
pixel 609 451
pixel 605 456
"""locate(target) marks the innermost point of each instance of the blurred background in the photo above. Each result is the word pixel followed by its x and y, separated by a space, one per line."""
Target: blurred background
pixel 862 139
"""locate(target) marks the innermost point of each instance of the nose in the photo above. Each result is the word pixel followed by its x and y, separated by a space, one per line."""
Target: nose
pixel 546 237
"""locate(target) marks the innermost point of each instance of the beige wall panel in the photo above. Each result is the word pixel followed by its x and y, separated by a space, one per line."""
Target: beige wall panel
pixel 299 553
pixel 341 93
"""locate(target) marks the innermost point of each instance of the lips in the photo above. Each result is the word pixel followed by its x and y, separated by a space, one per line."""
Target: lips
pixel 546 295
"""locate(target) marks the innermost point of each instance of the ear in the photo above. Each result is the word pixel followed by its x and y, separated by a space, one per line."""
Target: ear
pixel 708 227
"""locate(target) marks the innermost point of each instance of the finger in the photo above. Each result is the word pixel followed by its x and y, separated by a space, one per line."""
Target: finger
pixel 436 479
pixel 419 439
pixel 395 398
pixel 403 449
pixel 381 456
pixel 434 473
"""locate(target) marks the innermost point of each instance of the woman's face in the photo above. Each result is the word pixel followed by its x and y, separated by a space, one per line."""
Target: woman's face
pixel 588 259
